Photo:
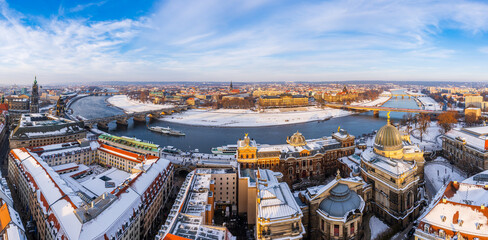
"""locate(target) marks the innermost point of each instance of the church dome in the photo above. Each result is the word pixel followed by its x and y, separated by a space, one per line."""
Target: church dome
pixel 388 138
pixel 296 140
pixel 340 201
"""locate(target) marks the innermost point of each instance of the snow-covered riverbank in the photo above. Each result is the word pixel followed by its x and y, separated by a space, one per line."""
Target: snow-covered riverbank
pixel 268 117
pixel 123 102
pixel 248 118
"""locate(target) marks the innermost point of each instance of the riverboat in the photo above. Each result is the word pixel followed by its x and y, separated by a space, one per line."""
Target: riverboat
pixel 225 150
pixel 166 130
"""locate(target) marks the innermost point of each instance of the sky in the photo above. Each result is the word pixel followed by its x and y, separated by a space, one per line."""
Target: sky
pixel 72 41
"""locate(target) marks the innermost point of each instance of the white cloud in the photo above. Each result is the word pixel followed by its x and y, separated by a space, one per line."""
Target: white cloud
pixel 246 40
pixel 483 49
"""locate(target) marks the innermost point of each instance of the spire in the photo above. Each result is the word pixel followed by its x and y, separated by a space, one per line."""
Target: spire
pixel 388 121
pixel 35 80
pixel 231 87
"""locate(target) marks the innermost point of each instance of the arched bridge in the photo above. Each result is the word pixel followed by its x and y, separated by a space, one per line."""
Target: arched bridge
pixel 122 119
pixel 376 110
pixel 403 95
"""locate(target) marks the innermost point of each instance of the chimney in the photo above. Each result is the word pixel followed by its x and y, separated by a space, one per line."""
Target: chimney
pixel 486 144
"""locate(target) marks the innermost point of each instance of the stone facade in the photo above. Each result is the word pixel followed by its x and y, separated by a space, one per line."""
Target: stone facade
pixel 297 159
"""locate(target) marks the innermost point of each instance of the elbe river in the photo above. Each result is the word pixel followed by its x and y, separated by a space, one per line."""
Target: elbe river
pixel 205 138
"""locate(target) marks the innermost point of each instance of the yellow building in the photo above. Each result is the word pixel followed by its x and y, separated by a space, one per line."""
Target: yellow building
pixel 284 100
pixel 299 158
pixel 395 168
pixel 476 112
pixel 345 95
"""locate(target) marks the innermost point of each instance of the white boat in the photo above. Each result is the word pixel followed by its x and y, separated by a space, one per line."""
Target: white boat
pixel 158 129
pixel 176 133
pixel 225 150
pixel 166 130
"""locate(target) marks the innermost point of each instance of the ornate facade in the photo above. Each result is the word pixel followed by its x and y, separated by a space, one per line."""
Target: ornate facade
pixel 345 95
pixel 394 168
pixel 335 211
pixel 467 148
pixel 284 100
pixel 299 158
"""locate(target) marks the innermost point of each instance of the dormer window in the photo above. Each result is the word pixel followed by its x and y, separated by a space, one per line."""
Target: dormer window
pixel 460 222
pixel 443 218
pixel 478 226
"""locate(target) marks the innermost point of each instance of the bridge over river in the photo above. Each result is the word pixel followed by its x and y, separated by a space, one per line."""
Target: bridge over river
pixel 377 109
pixel 122 119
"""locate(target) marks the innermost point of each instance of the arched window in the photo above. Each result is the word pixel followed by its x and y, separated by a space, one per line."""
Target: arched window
pixel 409 201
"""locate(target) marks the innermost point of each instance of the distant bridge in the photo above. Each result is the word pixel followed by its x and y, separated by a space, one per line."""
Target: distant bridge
pixel 122 119
pixel 376 110
pixel 403 95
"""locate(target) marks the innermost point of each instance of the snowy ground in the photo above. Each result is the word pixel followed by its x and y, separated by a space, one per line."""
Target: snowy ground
pixel 129 106
pixel 268 117
pixel 440 172
pixel 248 118
pixel 430 139
pixel 377 227
pixel 376 102
pixel 429 104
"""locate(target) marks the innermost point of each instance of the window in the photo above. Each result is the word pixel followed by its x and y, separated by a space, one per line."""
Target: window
pixel 336 230
pixel 352 228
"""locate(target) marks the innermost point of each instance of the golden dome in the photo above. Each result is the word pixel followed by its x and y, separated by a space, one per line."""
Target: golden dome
pixel 296 140
pixel 388 138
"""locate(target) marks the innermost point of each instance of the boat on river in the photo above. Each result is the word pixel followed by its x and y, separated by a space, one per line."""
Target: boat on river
pixel 166 130
pixel 225 150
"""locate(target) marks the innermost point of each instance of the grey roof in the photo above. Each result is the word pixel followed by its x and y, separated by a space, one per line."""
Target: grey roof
pixel 341 201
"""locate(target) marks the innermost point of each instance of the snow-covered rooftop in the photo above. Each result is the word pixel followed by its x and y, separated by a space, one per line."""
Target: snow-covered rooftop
pixel 462 207
pixel 393 167
pixel 60 200
pixel 275 199
pixel 34 125
pixel 187 216
pixel 475 137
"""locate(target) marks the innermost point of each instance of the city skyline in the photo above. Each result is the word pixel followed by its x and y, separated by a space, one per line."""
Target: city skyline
pixel 262 40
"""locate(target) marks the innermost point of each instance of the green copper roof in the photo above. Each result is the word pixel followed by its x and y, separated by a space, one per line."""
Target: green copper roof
pixel 130 142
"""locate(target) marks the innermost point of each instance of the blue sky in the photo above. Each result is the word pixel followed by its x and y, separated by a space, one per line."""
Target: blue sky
pixel 252 40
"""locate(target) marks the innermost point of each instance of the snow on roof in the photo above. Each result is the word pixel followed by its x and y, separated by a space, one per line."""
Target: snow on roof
pixel 276 200
pixel 125 154
pixel 449 215
pixel 312 145
pixel 59 199
pixel 479 179
pixel 63 167
pixel 186 218
pixel 461 207
pixel 474 137
pixel 55 196
pixel 96 185
pixel 391 166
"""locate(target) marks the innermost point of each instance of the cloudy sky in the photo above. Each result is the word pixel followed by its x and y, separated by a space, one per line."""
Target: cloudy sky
pixel 248 40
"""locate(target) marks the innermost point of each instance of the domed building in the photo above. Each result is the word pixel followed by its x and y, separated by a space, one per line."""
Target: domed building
pixel 335 211
pixel 394 167
pixel 298 158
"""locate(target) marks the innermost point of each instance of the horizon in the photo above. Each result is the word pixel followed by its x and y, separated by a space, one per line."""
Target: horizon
pixel 259 41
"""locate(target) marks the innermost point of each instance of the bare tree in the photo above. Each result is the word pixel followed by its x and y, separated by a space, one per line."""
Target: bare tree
pixel 423 124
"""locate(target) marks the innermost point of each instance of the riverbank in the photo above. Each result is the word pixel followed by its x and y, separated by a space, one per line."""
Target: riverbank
pixel 130 106
pixel 248 118
pixel 268 117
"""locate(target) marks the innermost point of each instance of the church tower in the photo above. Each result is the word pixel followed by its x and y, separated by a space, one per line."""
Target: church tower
pixel 231 87
pixel 60 108
pixel 34 98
